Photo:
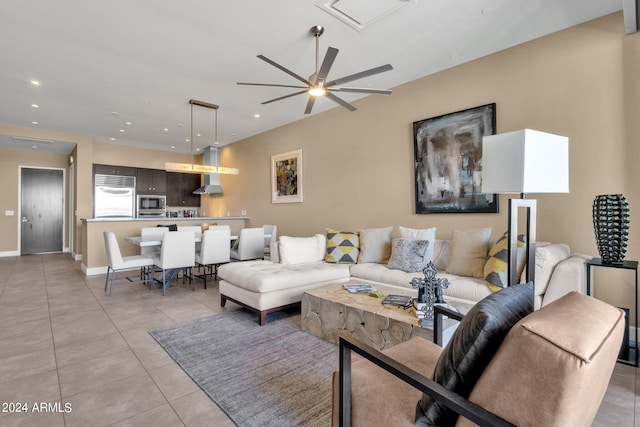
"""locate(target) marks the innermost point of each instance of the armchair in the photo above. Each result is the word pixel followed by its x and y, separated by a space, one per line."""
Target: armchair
pixel 551 369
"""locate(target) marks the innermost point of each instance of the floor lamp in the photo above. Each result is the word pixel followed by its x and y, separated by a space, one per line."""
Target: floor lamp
pixel 524 161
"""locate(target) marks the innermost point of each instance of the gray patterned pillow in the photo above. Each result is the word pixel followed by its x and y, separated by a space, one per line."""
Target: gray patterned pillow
pixel 408 255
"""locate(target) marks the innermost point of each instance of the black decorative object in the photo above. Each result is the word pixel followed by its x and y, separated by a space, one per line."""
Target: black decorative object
pixel 429 293
pixel 611 225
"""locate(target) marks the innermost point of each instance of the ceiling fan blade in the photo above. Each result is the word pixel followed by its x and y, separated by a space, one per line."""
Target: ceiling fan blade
pixel 361 75
pixel 310 102
pixel 280 67
pixel 327 63
pixel 284 97
pixel 268 84
pixel 360 90
pixel 340 101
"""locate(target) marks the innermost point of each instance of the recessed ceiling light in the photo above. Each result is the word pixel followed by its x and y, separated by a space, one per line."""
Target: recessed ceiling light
pixel 114 113
pixel 112 139
pixel 187 140
pixel 165 129
pixel 122 130
pixel 34 82
pixel 35 147
pixel 35 123
pixel 35 105
pixel 198 134
pixel 128 123
pixel 173 147
pixel 256 115
pixel 197 149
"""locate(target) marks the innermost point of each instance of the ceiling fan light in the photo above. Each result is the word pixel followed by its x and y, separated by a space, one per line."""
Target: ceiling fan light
pixel 316 91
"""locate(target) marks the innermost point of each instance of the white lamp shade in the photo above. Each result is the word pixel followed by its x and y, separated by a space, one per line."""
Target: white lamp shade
pixel 525 161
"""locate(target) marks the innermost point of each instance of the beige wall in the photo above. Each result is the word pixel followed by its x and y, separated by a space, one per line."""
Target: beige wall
pixel 10 163
pixel 358 167
pixel 85 154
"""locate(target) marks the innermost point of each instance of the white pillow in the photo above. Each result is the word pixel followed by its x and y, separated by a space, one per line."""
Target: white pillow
pixel 375 244
pixel 421 234
pixel 468 252
pixel 441 254
pixel 298 250
pixel 547 257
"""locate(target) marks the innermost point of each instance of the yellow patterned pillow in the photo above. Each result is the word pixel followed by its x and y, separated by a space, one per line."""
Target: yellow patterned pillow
pixel 495 269
pixel 342 247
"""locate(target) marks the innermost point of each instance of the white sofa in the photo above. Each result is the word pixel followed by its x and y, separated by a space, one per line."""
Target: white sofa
pixel 297 265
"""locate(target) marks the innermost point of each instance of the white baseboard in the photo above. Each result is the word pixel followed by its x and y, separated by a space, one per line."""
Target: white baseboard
pixel 9 253
pixel 93 271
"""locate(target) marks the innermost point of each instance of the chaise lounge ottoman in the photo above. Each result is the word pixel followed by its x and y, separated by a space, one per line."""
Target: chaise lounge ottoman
pixel 265 286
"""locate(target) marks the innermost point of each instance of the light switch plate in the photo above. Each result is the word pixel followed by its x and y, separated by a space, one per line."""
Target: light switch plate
pixel 8 213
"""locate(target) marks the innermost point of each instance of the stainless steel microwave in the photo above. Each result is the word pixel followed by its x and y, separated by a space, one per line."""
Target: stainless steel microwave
pixel 151 206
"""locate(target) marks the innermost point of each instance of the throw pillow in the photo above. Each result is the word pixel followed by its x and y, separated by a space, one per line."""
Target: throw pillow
pixel 298 250
pixel 496 268
pixel 546 259
pixel 408 255
pixel 468 252
pixel 342 247
pixel 375 244
pixel 472 347
pixel 423 234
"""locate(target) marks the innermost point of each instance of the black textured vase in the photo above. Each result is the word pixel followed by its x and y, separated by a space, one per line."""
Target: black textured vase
pixel 611 225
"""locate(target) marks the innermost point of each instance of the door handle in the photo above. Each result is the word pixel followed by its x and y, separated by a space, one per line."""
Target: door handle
pixel 24 219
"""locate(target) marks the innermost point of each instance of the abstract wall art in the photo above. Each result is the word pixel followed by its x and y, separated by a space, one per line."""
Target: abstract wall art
pixel 448 162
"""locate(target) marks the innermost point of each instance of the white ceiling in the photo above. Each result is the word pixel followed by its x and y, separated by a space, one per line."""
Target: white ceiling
pixel 104 63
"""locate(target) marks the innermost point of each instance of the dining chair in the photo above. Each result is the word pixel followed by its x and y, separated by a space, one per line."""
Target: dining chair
pixel 194 228
pixel 176 253
pixel 270 235
pixel 116 262
pixel 214 251
pixel 150 251
pixel 250 244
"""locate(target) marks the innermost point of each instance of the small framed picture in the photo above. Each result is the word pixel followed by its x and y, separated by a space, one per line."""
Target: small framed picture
pixel 286 177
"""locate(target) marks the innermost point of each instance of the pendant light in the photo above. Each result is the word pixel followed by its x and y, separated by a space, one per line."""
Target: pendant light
pixel 197 168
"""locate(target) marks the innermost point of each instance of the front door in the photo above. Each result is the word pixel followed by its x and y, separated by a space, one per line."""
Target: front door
pixel 42 210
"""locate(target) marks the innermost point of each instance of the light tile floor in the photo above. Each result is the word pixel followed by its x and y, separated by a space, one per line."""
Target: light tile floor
pixel 63 342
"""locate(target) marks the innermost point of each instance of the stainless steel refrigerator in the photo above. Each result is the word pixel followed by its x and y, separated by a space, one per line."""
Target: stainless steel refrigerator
pixel 114 196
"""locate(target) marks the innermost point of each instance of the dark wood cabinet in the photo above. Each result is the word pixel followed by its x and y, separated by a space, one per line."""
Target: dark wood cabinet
pixel 180 187
pixel 114 170
pixel 151 181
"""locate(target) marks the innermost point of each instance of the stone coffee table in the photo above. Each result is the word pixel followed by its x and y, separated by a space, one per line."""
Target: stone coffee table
pixel 332 311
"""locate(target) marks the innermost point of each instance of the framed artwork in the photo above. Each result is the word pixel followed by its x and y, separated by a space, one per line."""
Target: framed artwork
pixel 286 177
pixel 448 162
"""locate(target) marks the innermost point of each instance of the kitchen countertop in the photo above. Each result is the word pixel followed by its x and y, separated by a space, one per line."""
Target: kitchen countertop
pixel 197 218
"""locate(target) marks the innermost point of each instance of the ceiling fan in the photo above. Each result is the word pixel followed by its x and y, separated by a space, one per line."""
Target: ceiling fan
pixel 317 85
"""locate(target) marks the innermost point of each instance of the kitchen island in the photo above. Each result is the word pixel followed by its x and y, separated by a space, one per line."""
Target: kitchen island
pixel 94 259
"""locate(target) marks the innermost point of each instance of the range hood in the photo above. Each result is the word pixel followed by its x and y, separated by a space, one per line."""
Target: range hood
pixel 211 180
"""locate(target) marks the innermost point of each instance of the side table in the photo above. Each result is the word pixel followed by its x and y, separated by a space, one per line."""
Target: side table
pixel 627 265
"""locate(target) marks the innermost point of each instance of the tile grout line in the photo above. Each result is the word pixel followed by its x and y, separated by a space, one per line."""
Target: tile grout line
pixel 120 332
pixel 53 341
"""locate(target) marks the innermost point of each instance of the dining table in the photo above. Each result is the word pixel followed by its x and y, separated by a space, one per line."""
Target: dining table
pixel 156 239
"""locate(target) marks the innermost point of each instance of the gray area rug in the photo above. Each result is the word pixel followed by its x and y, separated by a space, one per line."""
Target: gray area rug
pixel 272 375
